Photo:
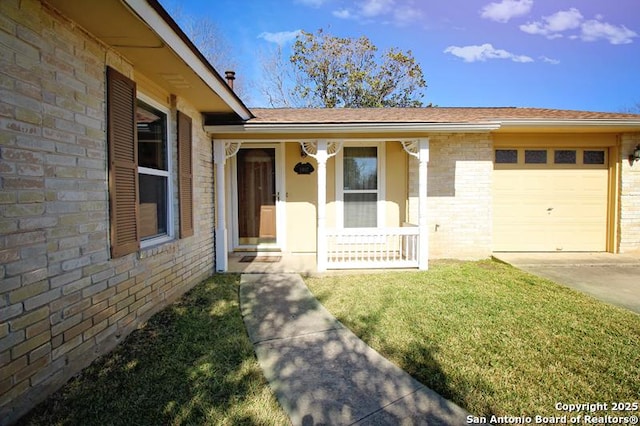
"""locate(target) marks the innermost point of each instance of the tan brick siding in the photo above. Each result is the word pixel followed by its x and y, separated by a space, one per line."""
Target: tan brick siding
pixel 459 195
pixel 63 301
pixel 629 196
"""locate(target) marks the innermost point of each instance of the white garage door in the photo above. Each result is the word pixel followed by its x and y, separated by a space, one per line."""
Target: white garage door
pixel 550 199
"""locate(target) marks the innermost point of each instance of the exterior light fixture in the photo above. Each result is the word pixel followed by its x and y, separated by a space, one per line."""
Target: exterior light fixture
pixel 635 156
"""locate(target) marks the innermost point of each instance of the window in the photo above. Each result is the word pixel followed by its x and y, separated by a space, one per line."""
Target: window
pixel 360 187
pixel 565 156
pixel 140 169
pixel 506 156
pixel 153 171
pixel 593 157
pixel 535 156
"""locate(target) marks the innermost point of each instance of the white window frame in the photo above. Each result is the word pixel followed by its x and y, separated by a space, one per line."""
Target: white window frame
pixel 339 161
pixel 170 235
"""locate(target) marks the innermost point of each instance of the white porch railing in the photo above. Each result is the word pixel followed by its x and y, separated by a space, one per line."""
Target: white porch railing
pixel 372 248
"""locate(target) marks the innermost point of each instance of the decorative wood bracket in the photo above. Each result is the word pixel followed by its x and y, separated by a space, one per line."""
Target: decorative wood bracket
pixel 412 148
pixel 231 148
pixel 311 148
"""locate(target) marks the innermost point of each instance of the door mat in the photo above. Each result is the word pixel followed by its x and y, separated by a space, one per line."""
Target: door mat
pixel 261 259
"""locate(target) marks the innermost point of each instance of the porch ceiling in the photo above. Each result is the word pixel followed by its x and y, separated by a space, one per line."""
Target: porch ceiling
pixel 153 39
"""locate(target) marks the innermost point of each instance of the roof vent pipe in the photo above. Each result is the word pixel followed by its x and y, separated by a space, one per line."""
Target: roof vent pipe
pixel 230 76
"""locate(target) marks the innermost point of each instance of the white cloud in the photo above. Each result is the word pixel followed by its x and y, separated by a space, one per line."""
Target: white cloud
pixel 371 8
pixel 521 58
pixel 539 29
pixel 551 26
pixel 593 30
pixel 396 12
pixel 406 15
pixel 484 52
pixel 312 3
pixel 506 9
pixel 281 37
pixel 342 14
pixel 549 60
pixel 564 20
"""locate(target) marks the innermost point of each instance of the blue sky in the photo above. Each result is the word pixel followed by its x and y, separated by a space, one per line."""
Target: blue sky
pixel 565 54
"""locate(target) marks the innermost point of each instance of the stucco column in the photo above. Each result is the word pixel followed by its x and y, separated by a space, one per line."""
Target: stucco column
pixel 321 158
pixel 219 158
pixel 423 245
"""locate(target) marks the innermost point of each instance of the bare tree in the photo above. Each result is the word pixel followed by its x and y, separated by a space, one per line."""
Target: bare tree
pixel 634 109
pixel 211 42
pixel 278 79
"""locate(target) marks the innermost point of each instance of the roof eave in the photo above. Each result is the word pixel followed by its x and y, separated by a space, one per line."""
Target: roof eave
pixel 347 128
pixel 497 125
pixel 156 17
pixel 602 125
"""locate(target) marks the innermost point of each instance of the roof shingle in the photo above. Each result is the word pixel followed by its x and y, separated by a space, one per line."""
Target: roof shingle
pixel 424 115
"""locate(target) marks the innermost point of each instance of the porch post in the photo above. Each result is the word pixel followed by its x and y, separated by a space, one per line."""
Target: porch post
pixel 423 246
pixel 321 158
pixel 219 158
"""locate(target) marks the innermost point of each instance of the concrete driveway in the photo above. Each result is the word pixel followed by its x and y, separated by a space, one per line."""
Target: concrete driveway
pixel 612 278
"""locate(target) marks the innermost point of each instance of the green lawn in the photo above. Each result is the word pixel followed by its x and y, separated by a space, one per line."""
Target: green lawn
pixel 492 338
pixel 191 364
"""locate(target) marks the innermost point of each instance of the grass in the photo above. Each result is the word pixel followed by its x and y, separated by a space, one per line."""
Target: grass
pixel 191 364
pixel 495 340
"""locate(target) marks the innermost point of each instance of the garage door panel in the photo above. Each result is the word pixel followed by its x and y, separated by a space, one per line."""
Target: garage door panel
pixel 550 208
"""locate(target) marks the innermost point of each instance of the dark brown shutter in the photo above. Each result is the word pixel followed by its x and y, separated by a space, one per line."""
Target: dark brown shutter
pixel 123 163
pixel 185 175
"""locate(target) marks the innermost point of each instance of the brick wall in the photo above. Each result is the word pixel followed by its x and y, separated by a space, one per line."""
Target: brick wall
pixel 459 195
pixel 629 196
pixel 63 301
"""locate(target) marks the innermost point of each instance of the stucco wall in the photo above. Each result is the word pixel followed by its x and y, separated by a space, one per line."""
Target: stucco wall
pixel 629 220
pixel 63 300
pixel 301 197
pixel 301 191
pixel 459 195
pixel 396 184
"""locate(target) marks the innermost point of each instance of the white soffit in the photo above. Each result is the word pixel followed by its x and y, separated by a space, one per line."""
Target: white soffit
pixel 149 15
pixel 266 128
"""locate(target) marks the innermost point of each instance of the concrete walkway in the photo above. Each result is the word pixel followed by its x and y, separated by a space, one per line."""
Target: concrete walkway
pixel 321 372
